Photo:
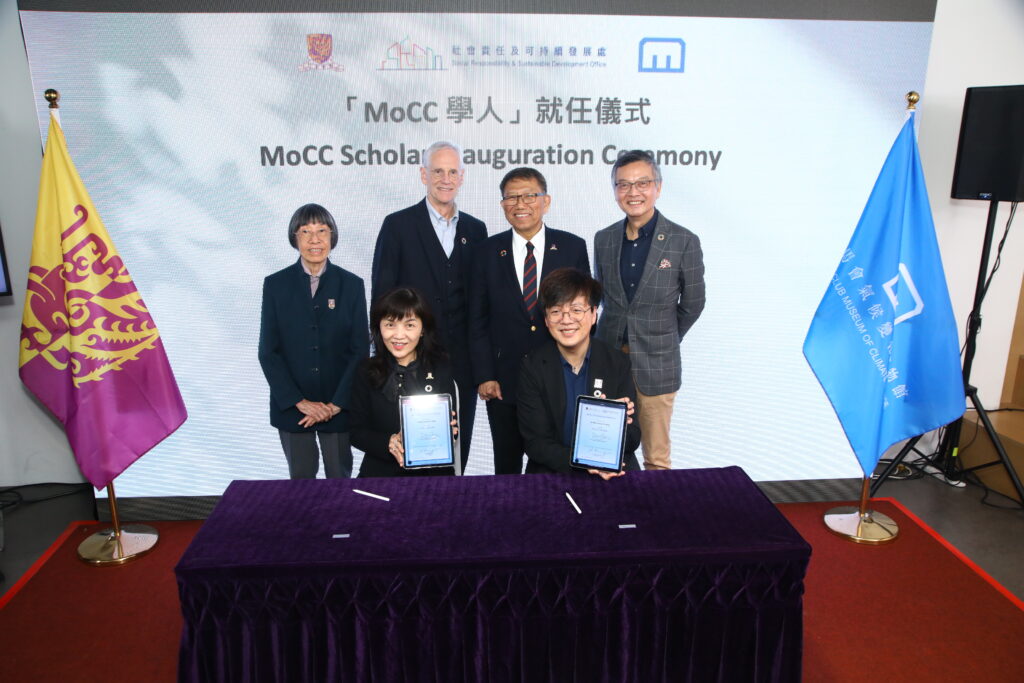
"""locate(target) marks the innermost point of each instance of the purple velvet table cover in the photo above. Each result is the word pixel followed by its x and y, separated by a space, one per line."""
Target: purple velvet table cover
pixel 495 578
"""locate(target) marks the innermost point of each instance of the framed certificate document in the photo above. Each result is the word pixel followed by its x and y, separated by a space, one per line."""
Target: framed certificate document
pixel 427 430
pixel 599 437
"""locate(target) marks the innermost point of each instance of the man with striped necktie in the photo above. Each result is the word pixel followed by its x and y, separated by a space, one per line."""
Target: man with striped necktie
pixel 505 319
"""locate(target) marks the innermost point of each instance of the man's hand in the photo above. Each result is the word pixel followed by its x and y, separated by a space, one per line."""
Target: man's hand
pixel 606 475
pixel 489 389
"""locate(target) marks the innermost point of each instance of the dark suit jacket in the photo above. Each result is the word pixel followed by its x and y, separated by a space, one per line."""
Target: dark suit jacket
pixel 310 346
pixel 500 331
pixel 408 254
pixel 375 418
pixel 542 404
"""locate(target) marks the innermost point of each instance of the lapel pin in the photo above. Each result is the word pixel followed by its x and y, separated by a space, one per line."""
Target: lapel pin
pixel 598 384
pixel 330 304
pixel 503 253
pixel 661 237
pixel 430 375
pixel 428 388
pixel 665 263
pixel 553 247
pixel 463 240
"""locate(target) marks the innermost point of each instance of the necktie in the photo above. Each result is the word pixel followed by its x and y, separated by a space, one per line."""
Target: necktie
pixel 530 280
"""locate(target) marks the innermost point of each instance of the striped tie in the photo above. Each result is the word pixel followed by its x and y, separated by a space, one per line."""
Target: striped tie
pixel 530 280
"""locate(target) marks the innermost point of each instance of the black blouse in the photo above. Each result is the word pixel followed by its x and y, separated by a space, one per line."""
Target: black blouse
pixel 374 414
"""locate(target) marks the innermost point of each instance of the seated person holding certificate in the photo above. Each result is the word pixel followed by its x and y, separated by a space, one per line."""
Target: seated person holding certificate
pixel 571 364
pixel 409 361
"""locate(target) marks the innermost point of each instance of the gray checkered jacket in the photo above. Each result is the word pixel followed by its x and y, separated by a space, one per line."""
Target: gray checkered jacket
pixel 668 301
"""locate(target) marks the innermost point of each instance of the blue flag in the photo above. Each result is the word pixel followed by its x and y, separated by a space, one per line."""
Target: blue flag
pixel 883 342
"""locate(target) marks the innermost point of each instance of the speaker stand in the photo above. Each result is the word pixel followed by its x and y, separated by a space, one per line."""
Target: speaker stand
pixel 949 447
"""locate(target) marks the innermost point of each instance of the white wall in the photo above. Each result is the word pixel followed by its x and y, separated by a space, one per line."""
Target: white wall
pixel 975 43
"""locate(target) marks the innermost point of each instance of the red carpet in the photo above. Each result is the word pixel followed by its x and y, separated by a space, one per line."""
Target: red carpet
pixel 909 611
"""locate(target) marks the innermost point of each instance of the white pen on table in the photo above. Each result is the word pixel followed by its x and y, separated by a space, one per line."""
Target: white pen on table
pixel 371 495
pixel 578 511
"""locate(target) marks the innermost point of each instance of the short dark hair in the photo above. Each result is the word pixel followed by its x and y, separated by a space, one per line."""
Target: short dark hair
pixel 563 285
pixel 398 304
pixel 631 157
pixel 524 173
pixel 307 215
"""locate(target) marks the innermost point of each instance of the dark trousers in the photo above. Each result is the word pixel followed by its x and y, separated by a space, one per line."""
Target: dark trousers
pixel 508 441
pixel 463 376
pixel 304 459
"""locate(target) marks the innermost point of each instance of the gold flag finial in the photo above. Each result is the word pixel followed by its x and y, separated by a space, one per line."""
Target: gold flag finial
pixel 912 99
pixel 52 96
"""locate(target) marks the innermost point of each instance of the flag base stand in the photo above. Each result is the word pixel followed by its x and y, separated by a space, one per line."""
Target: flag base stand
pixel 111 547
pixel 860 525
pixel 871 528
pixel 108 547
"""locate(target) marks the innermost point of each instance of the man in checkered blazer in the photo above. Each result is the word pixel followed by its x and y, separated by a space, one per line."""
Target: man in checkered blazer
pixel 652 271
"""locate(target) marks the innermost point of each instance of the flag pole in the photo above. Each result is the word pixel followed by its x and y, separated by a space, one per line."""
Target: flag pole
pixel 859 524
pixel 119 544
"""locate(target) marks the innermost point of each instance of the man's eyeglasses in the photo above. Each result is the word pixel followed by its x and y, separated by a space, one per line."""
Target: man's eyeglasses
pixel 624 186
pixel 574 312
pixel 513 199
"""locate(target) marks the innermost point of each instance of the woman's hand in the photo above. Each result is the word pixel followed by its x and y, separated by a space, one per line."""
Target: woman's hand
pixel 396 448
pixel 313 412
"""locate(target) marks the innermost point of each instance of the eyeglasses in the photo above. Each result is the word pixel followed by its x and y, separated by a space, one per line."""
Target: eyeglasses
pixel 513 199
pixel 307 234
pixel 624 186
pixel 575 312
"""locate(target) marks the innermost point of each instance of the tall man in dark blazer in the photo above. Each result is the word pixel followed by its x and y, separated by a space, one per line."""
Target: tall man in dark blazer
pixel 571 364
pixel 505 319
pixel 428 247
pixel 653 276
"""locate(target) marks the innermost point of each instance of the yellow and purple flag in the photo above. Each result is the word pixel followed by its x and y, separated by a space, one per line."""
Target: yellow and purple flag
pixel 89 348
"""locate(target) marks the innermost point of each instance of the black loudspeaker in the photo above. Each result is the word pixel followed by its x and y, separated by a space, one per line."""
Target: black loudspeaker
pixel 990 154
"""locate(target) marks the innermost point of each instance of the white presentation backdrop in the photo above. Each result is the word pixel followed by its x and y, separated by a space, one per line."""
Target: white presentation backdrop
pixel 198 135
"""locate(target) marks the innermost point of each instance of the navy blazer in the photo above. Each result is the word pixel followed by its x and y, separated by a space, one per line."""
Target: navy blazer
pixel 375 418
pixel 310 345
pixel 500 331
pixel 542 404
pixel 408 254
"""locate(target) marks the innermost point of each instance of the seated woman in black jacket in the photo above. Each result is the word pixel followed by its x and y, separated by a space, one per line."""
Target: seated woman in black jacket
pixel 408 360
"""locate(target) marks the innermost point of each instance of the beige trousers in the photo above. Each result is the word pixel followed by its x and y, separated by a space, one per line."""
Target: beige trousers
pixel 655 415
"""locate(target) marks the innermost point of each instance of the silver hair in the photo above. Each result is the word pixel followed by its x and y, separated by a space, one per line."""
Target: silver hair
pixel 429 152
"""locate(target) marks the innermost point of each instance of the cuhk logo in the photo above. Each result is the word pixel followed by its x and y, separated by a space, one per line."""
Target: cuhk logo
pixel 320 46
pixel 662 55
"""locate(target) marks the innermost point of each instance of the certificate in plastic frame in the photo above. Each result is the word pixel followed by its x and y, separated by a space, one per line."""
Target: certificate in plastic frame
pixel 599 435
pixel 427 430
